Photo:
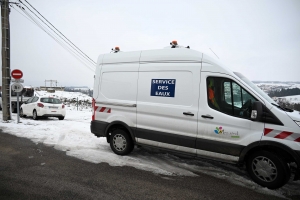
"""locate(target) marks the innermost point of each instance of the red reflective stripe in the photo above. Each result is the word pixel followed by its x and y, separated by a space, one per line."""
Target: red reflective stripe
pixel 297 140
pixel 109 110
pixel 96 107
pixel 267 130
pixel 93 102
pixel 102 109
pixel 283 135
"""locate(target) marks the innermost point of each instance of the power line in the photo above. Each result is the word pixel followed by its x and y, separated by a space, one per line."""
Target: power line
pixel 35 21
pixel 58 31
pixel 21 13
pixel 81 54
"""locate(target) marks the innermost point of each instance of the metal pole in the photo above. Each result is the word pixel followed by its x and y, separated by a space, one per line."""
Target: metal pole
pixel 77 103
pixel 5 60
pixel 18 109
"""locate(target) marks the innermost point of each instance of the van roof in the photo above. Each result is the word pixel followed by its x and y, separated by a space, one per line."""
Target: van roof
pixel 157 55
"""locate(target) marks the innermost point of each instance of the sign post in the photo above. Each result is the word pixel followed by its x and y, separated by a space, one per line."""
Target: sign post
pixel 17 87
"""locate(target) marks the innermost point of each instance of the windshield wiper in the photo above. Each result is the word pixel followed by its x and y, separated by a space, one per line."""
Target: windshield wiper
pixel 282 108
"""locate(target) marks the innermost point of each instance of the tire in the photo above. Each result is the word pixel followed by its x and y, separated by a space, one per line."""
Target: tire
pixel 120 142
pixel 61 118
pixel 34 115
pixel 21 113
pixel 268 169
pixel 14 110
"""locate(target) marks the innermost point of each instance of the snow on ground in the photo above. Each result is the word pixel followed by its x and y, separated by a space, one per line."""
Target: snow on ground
pixel 291 99
pixel 73 136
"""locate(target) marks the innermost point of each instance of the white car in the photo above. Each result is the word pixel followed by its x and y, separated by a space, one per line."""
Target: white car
pixel 43 107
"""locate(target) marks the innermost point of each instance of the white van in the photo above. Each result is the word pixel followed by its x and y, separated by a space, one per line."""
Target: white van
pixel 183 101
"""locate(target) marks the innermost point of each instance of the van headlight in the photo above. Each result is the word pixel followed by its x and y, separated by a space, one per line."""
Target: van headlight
pixel 297 122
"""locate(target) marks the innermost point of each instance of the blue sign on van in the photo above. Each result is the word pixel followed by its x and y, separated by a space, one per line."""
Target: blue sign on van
pixel 163 87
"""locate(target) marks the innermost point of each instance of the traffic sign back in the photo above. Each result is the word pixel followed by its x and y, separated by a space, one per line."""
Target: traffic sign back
pixel 17 87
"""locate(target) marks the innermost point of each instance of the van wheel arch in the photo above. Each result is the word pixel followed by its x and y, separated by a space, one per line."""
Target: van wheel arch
pixel 119 125
pixel 277 148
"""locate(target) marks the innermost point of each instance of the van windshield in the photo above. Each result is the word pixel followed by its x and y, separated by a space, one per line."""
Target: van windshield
pixel 254 87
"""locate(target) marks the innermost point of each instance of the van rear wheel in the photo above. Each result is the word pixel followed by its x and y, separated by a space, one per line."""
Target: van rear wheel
pixel 268 169
pixel 120 142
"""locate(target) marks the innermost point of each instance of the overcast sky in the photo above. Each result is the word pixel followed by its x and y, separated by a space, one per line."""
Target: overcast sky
pixel 259 38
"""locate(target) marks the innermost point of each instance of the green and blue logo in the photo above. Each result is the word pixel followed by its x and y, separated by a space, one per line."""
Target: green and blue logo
pixel 219 130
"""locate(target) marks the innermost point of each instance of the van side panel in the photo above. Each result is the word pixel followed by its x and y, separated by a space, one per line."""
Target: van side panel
pixel 167 105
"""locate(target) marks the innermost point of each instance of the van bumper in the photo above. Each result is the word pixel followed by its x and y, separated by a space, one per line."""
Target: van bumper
pixel 98 128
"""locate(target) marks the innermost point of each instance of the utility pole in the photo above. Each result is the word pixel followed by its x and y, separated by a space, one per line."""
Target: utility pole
pixel 5 60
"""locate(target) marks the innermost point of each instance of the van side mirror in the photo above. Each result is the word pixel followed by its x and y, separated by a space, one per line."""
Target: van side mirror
pixel 257 111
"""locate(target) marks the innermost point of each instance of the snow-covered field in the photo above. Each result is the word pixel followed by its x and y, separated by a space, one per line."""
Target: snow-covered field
pixel 291 99
pixel 283 85
pixel 73 136
pixel 70 96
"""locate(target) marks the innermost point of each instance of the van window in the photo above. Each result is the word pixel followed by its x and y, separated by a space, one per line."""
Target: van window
pixel 228 97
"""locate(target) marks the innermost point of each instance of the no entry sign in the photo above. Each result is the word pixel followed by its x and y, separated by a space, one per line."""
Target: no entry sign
pixel 17 74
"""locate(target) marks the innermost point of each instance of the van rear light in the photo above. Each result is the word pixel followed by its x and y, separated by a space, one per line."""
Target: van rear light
pixel 63 106
pixel 40 105
pixel 93 107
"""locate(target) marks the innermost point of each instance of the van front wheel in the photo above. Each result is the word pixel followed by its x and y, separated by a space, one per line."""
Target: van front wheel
pixel 120 142
pixel 268 169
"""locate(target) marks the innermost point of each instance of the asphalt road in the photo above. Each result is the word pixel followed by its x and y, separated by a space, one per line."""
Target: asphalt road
pixel 35 171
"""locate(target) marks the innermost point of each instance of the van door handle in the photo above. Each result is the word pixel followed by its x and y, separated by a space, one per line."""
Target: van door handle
pixel 207 116
pixel 188 113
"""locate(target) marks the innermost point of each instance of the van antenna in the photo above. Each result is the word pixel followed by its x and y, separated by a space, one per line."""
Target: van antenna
pixel 214 53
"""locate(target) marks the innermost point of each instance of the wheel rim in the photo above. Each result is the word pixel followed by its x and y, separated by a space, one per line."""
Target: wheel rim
pixel 119 142
pixel 264 169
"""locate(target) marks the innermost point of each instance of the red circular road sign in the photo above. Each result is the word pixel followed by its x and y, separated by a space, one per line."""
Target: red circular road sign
pixel 17 74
